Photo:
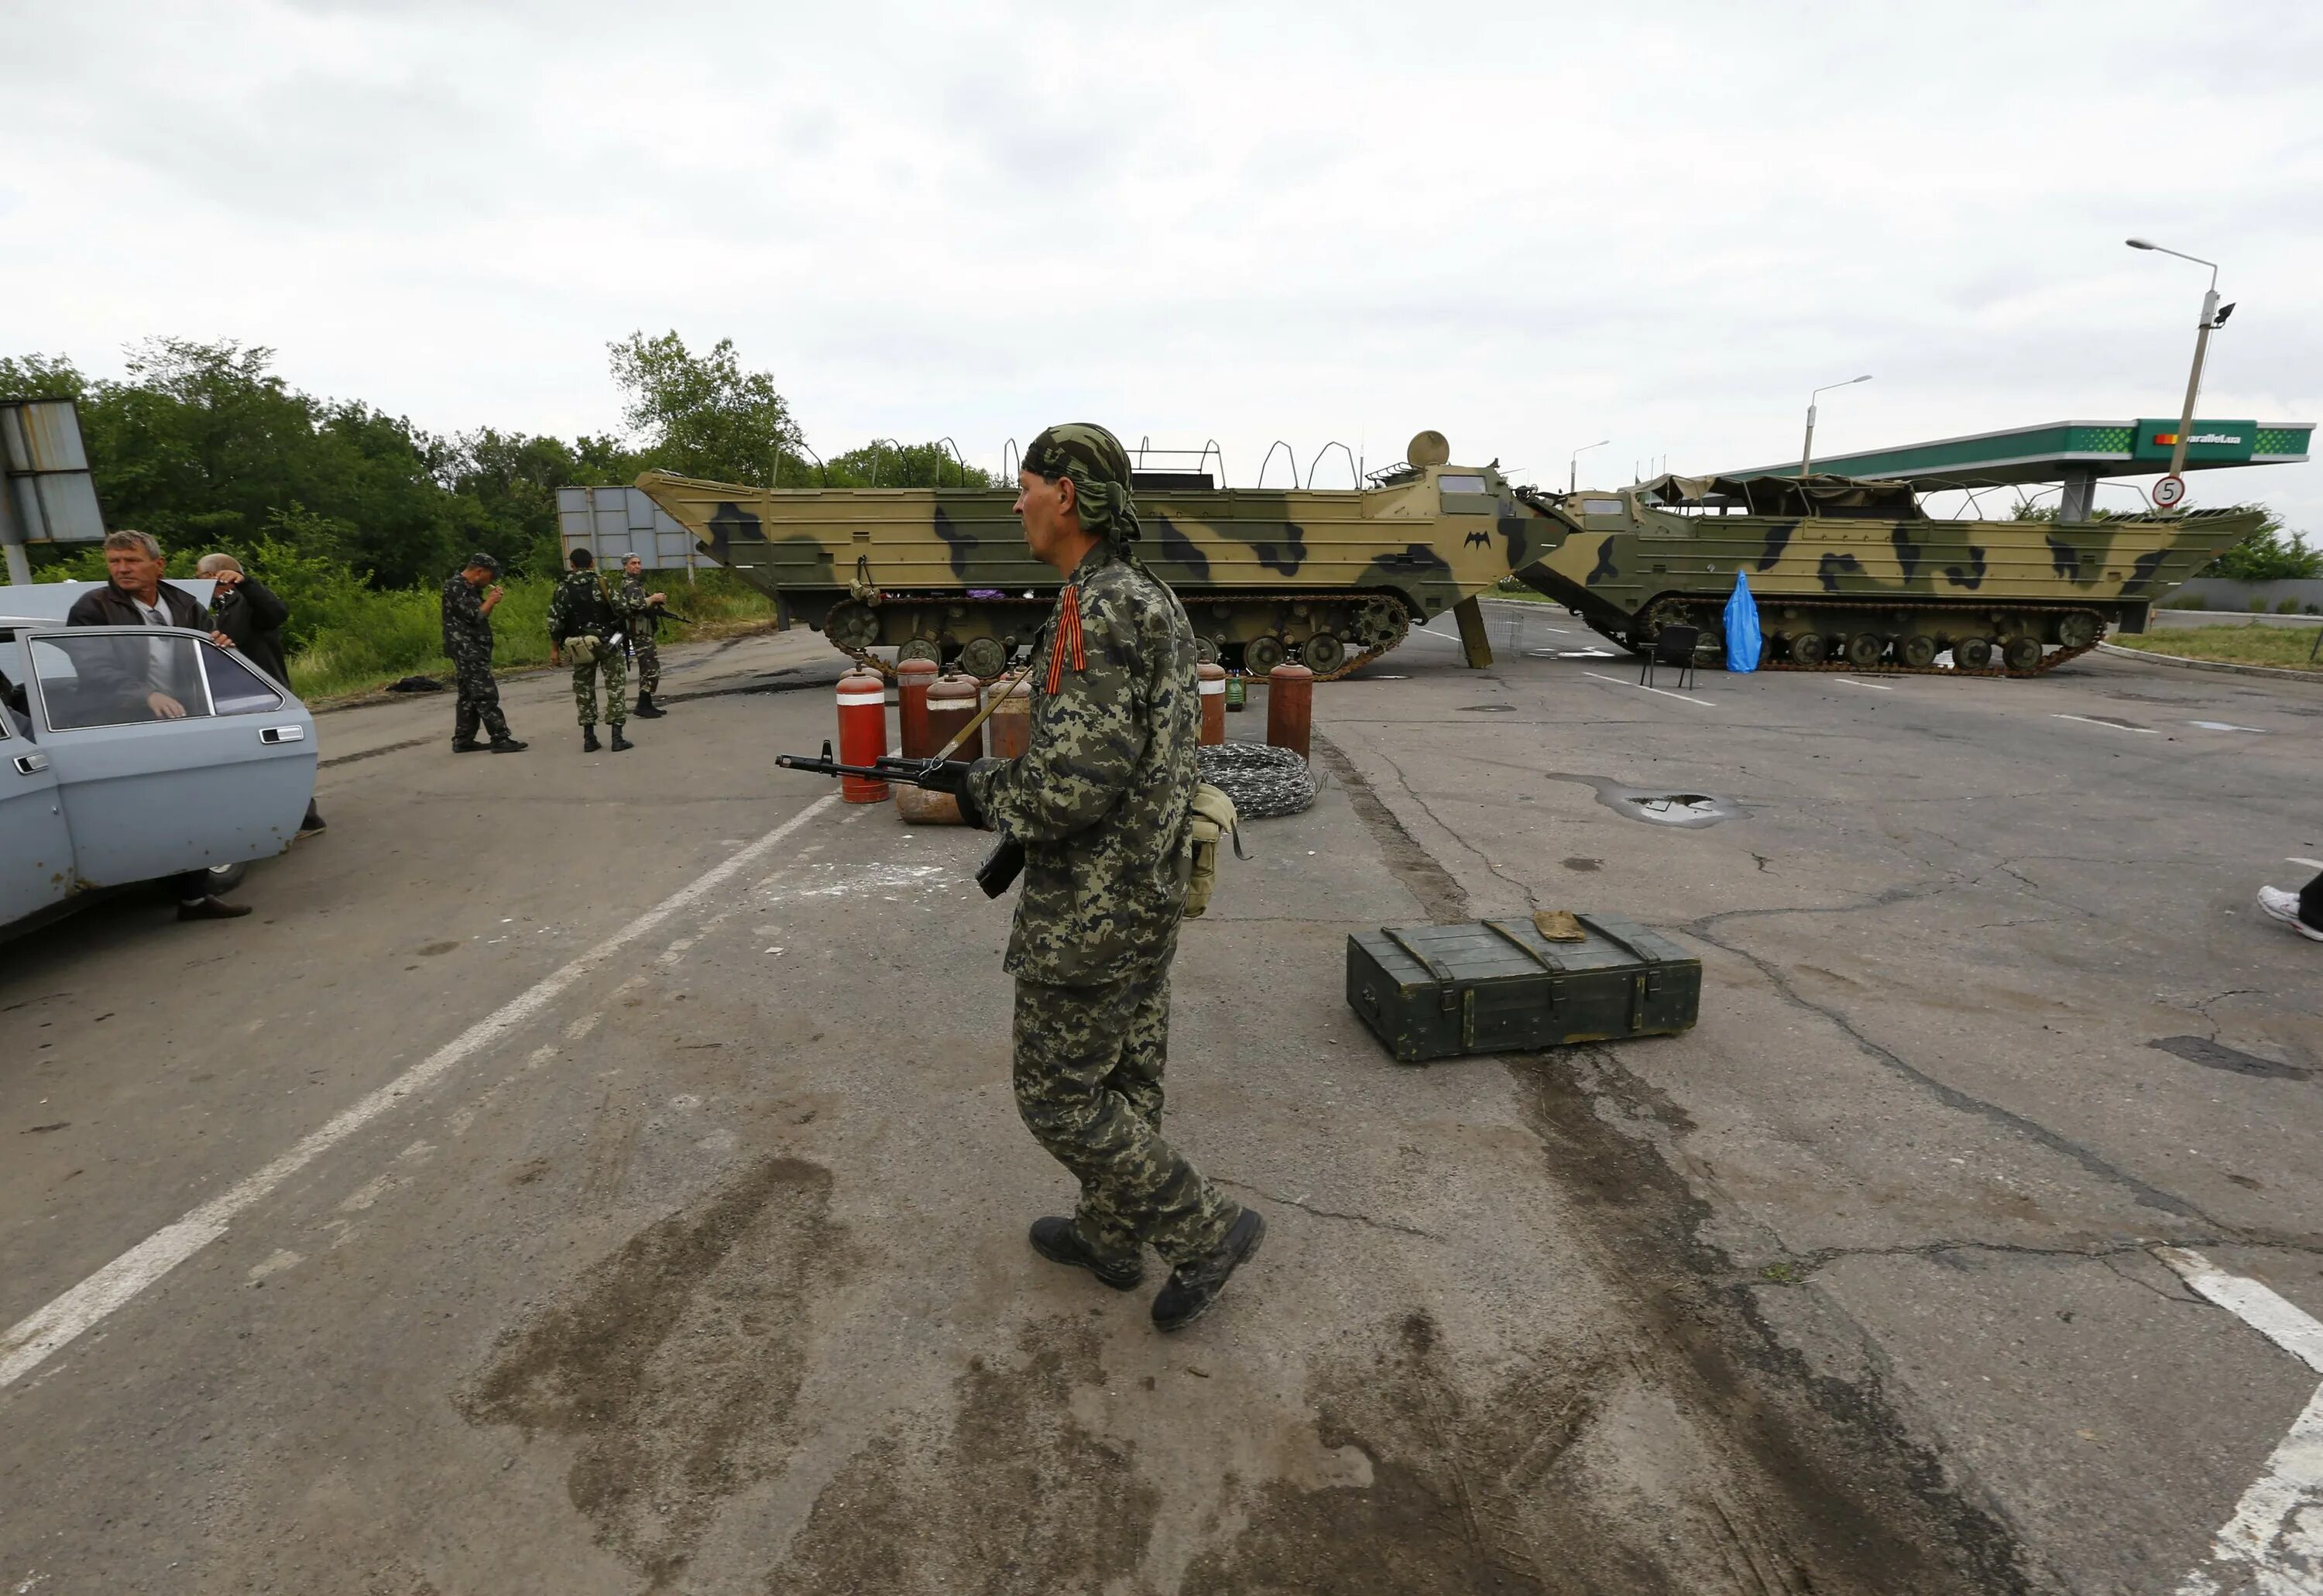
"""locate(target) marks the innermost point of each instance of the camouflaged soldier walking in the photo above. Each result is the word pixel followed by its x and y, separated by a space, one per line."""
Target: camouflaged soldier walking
pixel 470 596
pixel 584 621
pixel 642 614
pixel 1101 802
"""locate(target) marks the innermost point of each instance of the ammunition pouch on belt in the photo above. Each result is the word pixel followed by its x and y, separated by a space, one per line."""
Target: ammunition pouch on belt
pixel 585 648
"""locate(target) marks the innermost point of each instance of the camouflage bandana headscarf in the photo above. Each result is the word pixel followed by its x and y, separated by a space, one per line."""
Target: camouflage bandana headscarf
pixel 1099 467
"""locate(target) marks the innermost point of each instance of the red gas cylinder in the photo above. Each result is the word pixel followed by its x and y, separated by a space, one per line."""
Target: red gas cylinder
pixel 913 679
pixel 1210 680
pixel 952 704
pixel 1289 706
pixel 1011 721
pixel 862 732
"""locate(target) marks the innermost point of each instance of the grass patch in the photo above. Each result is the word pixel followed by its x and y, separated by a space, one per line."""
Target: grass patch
pixel 376 637
pixel 1508 587
pixel 2286 648
pixel 345 637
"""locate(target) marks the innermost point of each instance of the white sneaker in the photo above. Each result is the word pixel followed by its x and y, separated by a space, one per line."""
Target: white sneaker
pixel 2279 904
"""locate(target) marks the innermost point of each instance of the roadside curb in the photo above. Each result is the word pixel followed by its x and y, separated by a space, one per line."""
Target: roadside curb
pixel 2210 665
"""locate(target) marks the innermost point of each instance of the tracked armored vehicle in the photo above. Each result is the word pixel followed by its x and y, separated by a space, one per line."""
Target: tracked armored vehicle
pixel 1333 579
pixel 1848 575
pixel 1855 576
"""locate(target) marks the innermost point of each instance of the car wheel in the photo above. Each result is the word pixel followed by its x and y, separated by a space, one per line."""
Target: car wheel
pixel 224 878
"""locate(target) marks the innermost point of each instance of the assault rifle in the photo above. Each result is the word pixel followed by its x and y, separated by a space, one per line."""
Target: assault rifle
pixel 1001 866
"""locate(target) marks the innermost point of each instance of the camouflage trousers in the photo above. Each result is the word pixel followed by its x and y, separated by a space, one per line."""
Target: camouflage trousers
pixel 647 658
pixel 1088 1085
pixel 616 671
pixel 478 704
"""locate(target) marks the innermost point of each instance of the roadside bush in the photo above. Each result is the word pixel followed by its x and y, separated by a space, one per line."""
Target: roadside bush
pixel 345 637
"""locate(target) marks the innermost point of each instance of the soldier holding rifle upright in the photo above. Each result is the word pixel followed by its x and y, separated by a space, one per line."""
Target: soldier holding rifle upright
pixel 644 612
pixel 1100 801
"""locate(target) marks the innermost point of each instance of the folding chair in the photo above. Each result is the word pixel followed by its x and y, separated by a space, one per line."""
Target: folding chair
pixel 1674 646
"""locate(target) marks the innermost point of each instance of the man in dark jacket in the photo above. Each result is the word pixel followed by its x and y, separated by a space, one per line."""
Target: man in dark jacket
pixel 135 595
pixel 244 611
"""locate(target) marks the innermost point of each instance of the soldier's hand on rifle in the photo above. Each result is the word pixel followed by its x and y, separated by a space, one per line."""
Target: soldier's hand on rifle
pixel 656 598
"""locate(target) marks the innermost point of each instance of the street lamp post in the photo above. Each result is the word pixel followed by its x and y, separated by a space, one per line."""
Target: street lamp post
pixel 1572 466
pixel 1806 449
pixel 2212 317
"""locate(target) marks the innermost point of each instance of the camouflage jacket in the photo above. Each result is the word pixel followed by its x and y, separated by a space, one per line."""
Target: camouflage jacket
pixel 1102 798
pixel 638 618
pixel 582 603
pixel 467 629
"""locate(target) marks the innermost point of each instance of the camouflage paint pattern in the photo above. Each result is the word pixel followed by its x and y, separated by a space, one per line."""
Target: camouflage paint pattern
pixel 1087 1077
pixel 932 571
pixel 884 567
pixel 1623 559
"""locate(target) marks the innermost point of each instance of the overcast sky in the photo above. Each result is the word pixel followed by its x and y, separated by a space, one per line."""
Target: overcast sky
pixel 1529 226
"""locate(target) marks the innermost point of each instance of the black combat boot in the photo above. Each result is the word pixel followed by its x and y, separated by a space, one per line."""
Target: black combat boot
pixel 589 744
pixel 647 709
pixel 1056 1240
pixel 1194 1286
pixel 508 745
pixel 466 745
pixel 621 745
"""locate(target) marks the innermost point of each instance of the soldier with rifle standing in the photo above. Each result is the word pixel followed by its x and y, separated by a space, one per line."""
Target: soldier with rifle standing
pixel 1100 805
pixel 585 622
pixel 643 611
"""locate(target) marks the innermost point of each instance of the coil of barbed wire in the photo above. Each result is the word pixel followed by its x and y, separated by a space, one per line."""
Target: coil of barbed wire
pixel 1263 782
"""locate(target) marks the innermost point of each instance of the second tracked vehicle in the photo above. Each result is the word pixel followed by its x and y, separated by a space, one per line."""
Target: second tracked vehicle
pixel 1855 576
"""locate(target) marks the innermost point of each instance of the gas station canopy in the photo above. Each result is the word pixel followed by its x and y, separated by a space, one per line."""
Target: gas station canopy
pixel 2074 452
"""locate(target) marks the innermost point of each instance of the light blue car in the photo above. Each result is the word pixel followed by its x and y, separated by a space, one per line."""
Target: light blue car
pixel 131 754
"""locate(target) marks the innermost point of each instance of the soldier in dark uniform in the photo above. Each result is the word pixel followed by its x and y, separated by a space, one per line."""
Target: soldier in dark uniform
pixel 582 608
pixel 470 597
pixel 642 613
pixel 1101 802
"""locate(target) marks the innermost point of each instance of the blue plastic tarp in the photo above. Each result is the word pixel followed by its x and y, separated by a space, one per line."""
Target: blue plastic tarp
pixel 1741 626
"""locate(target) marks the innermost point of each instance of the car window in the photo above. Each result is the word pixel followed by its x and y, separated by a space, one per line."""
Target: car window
pixel 118 677
pixel 234 688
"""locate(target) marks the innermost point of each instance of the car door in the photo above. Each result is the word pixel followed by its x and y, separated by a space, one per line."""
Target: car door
pixel 169 753
pixel 36 858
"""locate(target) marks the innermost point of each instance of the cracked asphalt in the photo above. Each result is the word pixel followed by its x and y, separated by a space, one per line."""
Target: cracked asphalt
pixel 707 1274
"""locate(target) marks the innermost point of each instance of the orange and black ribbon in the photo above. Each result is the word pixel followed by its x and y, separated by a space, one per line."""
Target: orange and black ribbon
pixel 1068 635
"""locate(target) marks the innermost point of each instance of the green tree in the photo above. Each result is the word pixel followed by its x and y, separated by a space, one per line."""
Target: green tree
pixel 2270 554
pixel 889 464
pixel 703 416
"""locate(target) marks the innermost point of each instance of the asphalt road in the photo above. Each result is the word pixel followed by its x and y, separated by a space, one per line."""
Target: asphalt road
pixel 599 1174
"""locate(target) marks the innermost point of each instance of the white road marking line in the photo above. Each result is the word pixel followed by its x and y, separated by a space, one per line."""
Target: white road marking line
pixel 2110 726
pixel 1875 686
pixel 2224 725
pixel 39 1335
pixel 1641 687
pixel 2308 864
pixel 2275 1542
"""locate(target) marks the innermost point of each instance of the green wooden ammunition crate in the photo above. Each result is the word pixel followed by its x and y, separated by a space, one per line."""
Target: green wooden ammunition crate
pixel 1499 986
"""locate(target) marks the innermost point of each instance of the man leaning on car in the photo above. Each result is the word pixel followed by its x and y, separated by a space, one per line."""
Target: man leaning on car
pixel 135 595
